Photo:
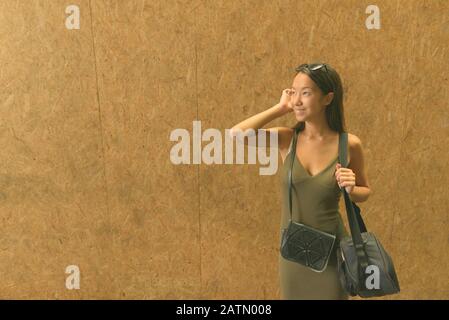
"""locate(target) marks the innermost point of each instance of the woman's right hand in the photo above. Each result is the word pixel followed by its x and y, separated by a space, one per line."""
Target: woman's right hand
pixel 286 101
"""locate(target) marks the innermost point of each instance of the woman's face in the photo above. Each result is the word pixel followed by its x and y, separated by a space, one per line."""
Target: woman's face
pixel 307 99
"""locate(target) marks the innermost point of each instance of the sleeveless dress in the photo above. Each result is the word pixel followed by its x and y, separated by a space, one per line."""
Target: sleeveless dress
pixel 315 202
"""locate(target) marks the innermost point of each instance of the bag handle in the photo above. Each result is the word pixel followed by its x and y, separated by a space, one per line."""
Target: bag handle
pixel 355 219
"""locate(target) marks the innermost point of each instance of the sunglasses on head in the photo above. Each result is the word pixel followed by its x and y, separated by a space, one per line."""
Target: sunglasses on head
pixel 312 67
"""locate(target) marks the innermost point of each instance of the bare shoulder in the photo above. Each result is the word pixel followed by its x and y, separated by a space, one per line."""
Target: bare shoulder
pixel 357 162
pixel 285 136
pixel 353 140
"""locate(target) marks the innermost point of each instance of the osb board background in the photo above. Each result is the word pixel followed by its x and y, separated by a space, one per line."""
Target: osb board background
pixel 85 118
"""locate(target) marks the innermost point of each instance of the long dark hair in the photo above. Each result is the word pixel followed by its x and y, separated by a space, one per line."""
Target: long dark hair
pixel 328 80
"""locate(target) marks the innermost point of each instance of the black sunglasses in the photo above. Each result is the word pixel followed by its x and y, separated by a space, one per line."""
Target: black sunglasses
pixel 313 67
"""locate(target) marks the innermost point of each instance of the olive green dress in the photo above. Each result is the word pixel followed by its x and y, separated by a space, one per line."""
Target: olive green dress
pixel 315 202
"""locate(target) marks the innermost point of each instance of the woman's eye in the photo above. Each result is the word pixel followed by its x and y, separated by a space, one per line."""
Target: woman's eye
pixel 306 92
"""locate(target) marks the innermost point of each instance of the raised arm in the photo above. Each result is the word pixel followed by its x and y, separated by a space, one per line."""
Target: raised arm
pixel 253 125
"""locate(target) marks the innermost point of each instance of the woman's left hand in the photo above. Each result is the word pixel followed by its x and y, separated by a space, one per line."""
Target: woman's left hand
pixel 345 178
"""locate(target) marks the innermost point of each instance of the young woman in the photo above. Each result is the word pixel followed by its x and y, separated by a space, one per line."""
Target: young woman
pixel 316 99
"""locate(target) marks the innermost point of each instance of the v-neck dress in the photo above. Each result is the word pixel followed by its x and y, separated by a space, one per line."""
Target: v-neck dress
pixel 315 202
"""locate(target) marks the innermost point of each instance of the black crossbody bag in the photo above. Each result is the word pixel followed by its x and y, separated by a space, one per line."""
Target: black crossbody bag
pixel 301 243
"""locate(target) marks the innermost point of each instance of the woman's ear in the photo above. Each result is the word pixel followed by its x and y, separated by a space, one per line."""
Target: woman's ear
pixel 329 98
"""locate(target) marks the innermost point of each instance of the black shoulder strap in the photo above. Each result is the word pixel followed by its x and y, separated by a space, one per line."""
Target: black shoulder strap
pixel 292 157
pixel 343 157
pixel 356 223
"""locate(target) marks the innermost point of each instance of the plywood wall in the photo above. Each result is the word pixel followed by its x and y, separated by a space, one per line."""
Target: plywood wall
pixel 86 115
